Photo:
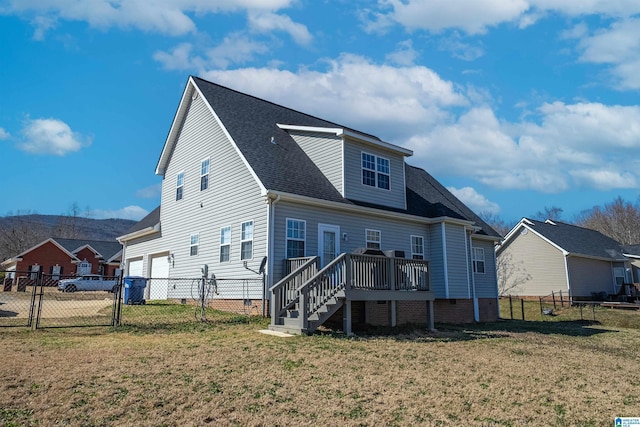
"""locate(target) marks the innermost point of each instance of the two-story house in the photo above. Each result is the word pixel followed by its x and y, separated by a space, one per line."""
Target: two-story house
pixel 244 179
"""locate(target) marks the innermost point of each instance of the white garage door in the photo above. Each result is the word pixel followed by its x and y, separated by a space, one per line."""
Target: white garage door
pixel 135 267
pixel 158 285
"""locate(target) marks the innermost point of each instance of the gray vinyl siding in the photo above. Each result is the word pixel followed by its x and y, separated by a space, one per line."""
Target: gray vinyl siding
pixel 395 234
pixel 457 271
pixel 543 262
pixel 437 260
pixel 356 190
pixel 232 198
pixel 325 151
pixel 487 283
pixel 590 275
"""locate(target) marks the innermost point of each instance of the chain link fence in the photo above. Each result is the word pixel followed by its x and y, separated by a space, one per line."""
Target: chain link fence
pixel 32 299
pixel 180 300
pixel 36 300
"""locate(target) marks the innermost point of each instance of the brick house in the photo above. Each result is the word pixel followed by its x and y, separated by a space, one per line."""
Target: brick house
pixel 66 257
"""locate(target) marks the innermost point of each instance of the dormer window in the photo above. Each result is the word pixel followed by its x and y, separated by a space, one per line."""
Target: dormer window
pixel 375 171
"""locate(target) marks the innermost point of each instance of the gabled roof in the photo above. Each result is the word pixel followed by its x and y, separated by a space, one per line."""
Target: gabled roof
pixel 105 248
pixel 108 250
pixel 148 225
pixel 259 130
pixel 573 240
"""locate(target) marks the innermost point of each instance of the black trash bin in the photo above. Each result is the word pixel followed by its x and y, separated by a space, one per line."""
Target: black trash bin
pixel 134 290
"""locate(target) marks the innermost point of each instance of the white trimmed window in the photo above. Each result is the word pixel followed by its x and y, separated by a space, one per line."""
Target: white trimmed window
pixel 225 244
pixel 375 171
pixel 296 237
pixel 417 247
pixel 193 247
pixel 478 260
pixel 179 186
pixel 204 175
pixel 246 240
pixel 373 238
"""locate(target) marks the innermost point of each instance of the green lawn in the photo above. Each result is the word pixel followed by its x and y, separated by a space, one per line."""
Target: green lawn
pixel 548 371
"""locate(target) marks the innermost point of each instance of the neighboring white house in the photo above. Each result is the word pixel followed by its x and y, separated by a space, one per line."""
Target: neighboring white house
pixel 244 179
pixel 557 256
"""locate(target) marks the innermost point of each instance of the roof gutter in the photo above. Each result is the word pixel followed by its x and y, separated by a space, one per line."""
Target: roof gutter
pixel 270 194
pixel 140 233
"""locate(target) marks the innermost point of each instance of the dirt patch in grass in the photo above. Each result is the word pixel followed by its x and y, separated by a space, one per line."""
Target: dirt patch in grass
pixel 504 374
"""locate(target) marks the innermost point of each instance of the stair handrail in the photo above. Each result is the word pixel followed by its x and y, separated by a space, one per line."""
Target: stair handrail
pixel 284 294
pixel 316 291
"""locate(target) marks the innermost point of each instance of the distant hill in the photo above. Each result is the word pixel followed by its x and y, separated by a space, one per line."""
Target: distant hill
pixel 70 227
pixel 21 232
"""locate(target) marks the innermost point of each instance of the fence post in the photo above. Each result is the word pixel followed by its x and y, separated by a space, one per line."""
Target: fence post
pixel 511 306
pixel 561 300
pixel 541 312
pixel 522 305
pixel 553 297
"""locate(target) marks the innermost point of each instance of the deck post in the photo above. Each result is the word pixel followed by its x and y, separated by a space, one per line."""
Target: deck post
pixel 431 322
pixel 394 314
pixel 346 318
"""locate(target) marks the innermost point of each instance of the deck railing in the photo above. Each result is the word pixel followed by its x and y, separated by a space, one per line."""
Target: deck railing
pixel 392 274
pixel 323 286
pixel 285 292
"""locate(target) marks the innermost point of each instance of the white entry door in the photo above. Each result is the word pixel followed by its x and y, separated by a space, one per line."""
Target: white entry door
pixel 328 243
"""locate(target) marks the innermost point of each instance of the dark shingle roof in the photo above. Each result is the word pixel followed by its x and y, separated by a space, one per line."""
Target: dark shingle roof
pixel 632 250
pixel 106 248
pixel 285 167
pixel 151 220
pixel 578 240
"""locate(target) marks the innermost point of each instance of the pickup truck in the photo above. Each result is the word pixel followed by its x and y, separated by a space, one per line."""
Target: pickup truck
pixel 88 282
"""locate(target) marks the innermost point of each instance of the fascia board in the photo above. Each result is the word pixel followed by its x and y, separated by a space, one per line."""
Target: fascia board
pixel 139 233
pixel 345 133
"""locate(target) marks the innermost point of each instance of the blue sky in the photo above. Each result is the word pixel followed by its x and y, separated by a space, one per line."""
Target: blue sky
pixel 514 105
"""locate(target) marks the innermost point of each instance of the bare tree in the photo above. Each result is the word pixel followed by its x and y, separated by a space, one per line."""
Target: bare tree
pixel 619 220
pixel 19 233
pixel 497 223
pixel 511 274
pixel 552 213
pixel 68 225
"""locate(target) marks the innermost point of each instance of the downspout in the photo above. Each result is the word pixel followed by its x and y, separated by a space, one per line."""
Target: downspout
pixel 476 308
pixel 444 259
pixel 270 249
pixel 566 271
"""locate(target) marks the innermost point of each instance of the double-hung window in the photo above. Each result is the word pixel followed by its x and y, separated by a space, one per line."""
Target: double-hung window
pixel 372 238
pixel 193 247
pixel 204 175
pixel 246 240
pixel 225 244
pixel 296 236
pixel 417 247
pixel 478 260
pixel 179 186
pixel 375 171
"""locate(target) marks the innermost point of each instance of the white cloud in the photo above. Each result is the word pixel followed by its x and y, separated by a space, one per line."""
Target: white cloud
pixel 235 49
pixel 133 212
pixel 162 16
pixel 460 49
pixel 476 16
pixel 51 136
pixel 473 16
pixel 571 145
pixel 474 200
pixel 619 46
pixel 404 54
pixel 391 101
pixel 266 22
pixel 4 134
pixel 150 192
